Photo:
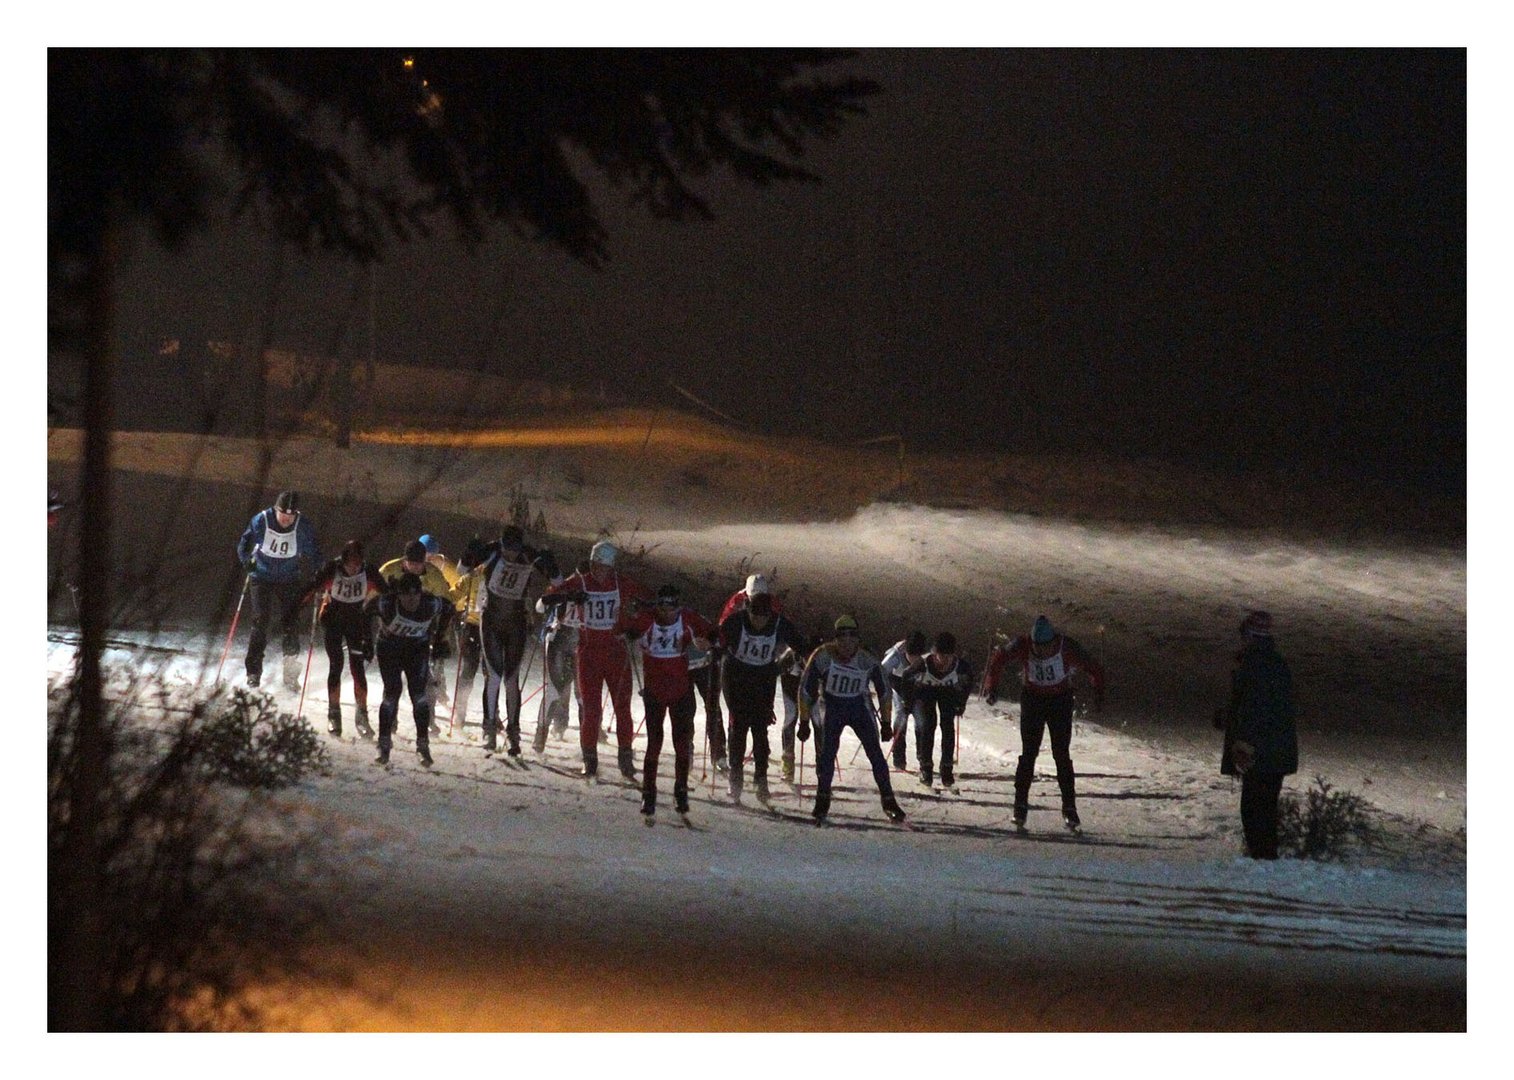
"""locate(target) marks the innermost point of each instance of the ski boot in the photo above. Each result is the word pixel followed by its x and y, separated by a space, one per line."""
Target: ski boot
pixel 948 780
pixel 1021 813
pixel 648 805
pixel 334 719
pixel 513 750
pixel 360 718
pixel 722 766
pixel 900 764
pixel 590 770
pixel 892 808
pixel 491 740
pixel 681 801
pixel 627 762
pixel 787 765
pixel 433 728
pixel 253 678
pixel 735 787
pixel 762 789
pixel 1071 820
pixel 382 759
pixel 925 775
pixel 539 740
pixel 423 749
pixel 822 807
pixel 292 674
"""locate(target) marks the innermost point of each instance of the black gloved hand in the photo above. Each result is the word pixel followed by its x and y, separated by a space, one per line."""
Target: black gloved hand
pixel 991 696
pixel 802 732
pixel 885 730
pixel 441 648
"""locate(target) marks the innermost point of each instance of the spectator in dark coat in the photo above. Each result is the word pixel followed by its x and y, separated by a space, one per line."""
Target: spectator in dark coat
pixel 1261 741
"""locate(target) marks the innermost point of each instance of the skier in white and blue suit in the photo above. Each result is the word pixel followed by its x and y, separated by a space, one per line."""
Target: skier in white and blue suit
pixel 278 550
pixel 842 671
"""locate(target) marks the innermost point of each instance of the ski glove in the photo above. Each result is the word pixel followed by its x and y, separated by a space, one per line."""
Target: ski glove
pixel 991 696
pixel 885 730
pixel 802 732
pixel 1243 754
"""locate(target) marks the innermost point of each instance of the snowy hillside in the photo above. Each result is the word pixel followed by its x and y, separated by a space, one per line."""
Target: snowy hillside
pixel 483 894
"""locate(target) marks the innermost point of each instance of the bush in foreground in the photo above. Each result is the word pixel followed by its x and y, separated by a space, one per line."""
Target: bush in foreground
pixel 1324 823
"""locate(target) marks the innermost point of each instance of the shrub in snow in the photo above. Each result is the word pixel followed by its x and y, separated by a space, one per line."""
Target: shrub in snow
pixel 170 894
pixel 249 744
pixel 1324 823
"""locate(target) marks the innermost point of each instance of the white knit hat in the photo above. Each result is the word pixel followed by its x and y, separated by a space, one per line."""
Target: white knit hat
pixel 757 585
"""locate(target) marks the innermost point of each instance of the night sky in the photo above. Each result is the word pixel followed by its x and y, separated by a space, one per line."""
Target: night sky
pixel 1243 257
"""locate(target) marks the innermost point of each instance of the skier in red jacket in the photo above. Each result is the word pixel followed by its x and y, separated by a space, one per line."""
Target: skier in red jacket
pixel 664 635
pixel 1046 660
pixel 603 660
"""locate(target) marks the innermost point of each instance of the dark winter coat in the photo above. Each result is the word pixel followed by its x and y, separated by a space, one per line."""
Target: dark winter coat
pixel 1261 711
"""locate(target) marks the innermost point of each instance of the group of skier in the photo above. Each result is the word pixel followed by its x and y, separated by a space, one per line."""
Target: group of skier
pixel 403 613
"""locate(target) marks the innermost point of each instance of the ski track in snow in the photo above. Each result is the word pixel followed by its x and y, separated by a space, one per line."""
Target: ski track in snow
pixel 1156 877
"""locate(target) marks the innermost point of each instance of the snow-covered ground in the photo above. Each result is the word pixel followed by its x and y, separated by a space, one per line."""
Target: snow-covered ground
pixel 481 894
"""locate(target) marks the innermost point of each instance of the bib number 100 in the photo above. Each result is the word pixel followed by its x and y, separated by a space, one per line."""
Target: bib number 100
pixel 844 683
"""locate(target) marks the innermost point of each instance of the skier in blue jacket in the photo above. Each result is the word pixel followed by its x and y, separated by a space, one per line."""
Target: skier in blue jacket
pixel 279 552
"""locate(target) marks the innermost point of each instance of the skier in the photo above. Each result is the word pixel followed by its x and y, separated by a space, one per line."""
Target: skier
pixel 514 575
pixel 902 655
pixel 603 659
pixel 790 667
pixel 405 622
pixel 433 581
pixel 279 552
pixel 1261 740
pixel 344 585
pixel 1046 660
pixel 560 647
pixel 842 671
pixel 664 635
pixel 936 688
pixel 754 639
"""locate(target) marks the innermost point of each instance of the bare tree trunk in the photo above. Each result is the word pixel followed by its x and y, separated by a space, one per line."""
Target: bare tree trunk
pixel 82 952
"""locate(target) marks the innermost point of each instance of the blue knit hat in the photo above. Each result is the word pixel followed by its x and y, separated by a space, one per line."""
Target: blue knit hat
pixel 1042 632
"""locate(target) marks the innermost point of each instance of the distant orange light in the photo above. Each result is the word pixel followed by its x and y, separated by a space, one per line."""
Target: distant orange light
pixel 409 61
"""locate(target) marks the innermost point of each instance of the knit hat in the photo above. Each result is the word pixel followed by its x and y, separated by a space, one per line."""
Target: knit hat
pixel 1042 632
pixel 603 552
pixel 415 551
pixel 845 622
pixel 757 585
pixel 288 501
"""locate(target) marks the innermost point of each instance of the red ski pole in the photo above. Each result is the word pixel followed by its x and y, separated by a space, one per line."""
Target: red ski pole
pixel 246 582
pixel 309 656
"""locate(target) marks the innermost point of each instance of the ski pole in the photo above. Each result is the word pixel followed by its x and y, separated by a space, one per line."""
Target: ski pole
pixel 800 785
pixel 246 583
pixel 309 656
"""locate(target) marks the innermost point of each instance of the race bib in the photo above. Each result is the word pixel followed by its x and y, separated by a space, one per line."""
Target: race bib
pixel 349 590
pixel 844 682
pixel 756 650
pixel 508 580
pixel 664 642
pixel 601 609
pixel 403 626
pixel 928 677
pixel 1047 672
pixel 277 545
